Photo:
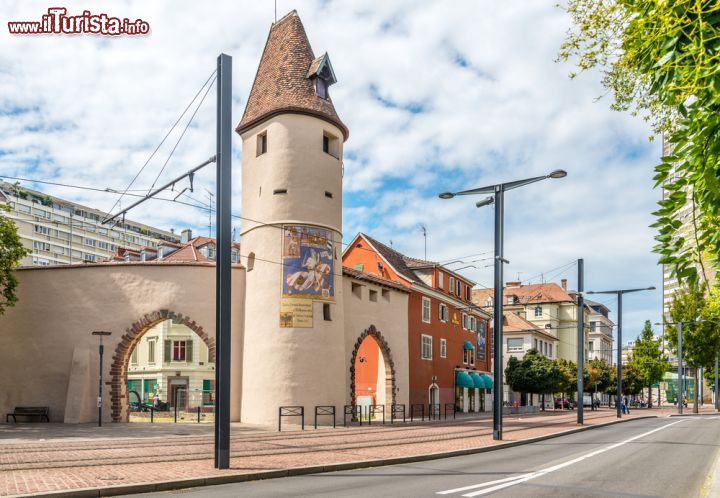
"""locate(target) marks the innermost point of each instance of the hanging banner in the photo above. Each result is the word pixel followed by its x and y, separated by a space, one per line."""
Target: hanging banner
pixel 296 313
pixel 307 258
pixel 481 340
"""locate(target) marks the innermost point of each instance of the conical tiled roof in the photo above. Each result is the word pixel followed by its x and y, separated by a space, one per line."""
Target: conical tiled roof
pixel 281 84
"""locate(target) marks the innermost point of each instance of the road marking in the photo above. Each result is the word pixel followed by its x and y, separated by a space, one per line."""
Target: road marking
pixel 514 480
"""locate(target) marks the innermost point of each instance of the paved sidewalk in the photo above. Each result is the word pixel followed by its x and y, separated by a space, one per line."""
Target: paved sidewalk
pixel 53 457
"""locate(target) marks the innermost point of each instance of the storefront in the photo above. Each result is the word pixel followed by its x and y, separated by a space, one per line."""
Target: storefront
pixel 472 391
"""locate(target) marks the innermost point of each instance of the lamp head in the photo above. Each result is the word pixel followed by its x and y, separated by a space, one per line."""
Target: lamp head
pixel 447 195
pixel 651 288
pixel 101 332
pixel 558 173
pixel 485 201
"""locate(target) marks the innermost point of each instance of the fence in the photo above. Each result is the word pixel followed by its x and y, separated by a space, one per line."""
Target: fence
pixel 184 405
pixel 325 410
pixel 292 411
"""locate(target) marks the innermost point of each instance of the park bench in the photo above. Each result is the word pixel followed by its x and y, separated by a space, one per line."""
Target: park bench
pixel 29 411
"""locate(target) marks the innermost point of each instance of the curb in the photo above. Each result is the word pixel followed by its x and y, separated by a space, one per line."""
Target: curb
pixel 124 489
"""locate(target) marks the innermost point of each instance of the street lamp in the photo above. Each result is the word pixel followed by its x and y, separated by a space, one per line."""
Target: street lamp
pixel 619 294
pixel 498 197
pixel 680 365
pixel 101 349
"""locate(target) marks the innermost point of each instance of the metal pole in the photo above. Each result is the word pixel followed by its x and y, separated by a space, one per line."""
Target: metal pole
pixel 717 405
pixel 619 356
pixel 498 318
pixel 580 340
pixel 222 265
pixel 680 370
pixel 100 380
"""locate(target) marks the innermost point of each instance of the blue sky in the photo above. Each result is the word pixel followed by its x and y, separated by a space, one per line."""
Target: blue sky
pixel 437 96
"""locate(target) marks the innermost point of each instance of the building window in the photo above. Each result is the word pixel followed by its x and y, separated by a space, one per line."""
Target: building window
pixel 261 143
pixel 134 356
pixel 467 293
pixel 331 145
pixel 443 348
pixel 179 350
pixel 452 285
pixel 321 88
pixel 488 302
pixel 41 246
pixel 538 311
pixel 458 288
pixel 510 300
pixel 535 344
pixel 515 344
pixel 386 294
pixel 464 321
pixel 472 323
pixel 426 349
pixel 441 278
pixel 151 350
pixel 444 313
pixel 550 350
pixel 42 230
pixel 326 144
pixel 426 310
pixel 373 296
pixel 591 345
pixel 326 312
pixel 356 290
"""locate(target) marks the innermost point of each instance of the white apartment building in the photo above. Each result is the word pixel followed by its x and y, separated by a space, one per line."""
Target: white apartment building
pixel 59 232
pixel 600 334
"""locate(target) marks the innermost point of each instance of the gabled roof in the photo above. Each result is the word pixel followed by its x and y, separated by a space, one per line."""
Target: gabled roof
pixel 369 277
pixel 281 83
pixel 528 294
pixel 515 323
pixel 322 68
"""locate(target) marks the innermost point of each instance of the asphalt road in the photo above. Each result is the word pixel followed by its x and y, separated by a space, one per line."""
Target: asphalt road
pixel 663 457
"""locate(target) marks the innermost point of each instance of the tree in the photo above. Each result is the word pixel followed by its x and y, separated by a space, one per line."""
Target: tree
pixel 568 377
pixel 597 376
pixel 701 340
pixel 533 374
pixel 659 60
pixel 11 252
pixel 648 360
pixel 632 381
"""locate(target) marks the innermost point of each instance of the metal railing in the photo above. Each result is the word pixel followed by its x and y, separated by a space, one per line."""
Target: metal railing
pixel 373 410
pixel 414 407
pixel 355 413
pixel 396 410
pixel 325 410
pixel 291 411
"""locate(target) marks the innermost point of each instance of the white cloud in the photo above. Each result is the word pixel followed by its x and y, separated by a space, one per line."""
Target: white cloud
pixel 493 105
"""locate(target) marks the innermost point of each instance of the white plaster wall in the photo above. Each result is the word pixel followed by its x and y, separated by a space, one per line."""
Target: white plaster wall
pixel 390 318
pixel 60 306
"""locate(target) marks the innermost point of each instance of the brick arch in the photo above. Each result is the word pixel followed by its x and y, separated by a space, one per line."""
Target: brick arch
pixel 121 357
pixel 390 383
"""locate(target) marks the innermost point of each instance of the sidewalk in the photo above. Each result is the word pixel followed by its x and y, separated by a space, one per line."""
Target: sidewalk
pixel 37 458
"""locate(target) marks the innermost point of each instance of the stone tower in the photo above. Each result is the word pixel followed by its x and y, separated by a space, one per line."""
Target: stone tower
pixel 293 351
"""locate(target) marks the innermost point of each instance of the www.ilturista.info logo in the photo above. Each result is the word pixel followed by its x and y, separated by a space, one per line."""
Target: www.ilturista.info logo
pixel 56 21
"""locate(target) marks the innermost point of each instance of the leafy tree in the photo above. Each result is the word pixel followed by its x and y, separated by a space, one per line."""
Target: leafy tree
pixel 597 373
pixel 567 384
pixel 701 340
pixel 632 380
pixel 533 374
pixel 648 360
pixel 660 60
pixel 11 252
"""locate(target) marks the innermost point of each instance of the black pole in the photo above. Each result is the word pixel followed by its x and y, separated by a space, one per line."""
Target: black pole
pixel 498 318
pixel 222 265
pixel 100 378
pixel 619 356
pixel 580 340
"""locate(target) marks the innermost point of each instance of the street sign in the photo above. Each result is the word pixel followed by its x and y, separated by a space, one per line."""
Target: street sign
pixel 99 402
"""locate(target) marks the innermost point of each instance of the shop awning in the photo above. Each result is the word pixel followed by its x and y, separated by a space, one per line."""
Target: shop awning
pixel 468 345
pixel 462 379
pixel 479 382
pixel 488 381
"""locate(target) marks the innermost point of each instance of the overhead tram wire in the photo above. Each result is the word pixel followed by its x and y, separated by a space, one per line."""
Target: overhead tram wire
pixel 212 75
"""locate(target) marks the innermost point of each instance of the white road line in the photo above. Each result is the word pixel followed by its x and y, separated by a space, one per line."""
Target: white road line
pixel 512 481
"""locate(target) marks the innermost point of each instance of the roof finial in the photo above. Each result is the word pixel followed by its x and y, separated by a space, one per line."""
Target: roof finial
pixel 275 10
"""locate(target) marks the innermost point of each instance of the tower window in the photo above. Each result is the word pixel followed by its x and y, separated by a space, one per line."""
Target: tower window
pixel 262 143
pixel 328 194
pixel 326 312
pixel 331 145
pixel 279 191
pixel 321 88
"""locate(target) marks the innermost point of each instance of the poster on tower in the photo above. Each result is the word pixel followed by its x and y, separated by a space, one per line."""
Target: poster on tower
pixel 307 262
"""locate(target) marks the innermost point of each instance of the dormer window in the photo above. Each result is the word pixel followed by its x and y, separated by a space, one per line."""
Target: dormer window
pixel 322 74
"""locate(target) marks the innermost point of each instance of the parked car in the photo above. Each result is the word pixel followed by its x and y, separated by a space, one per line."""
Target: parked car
pixel 565 403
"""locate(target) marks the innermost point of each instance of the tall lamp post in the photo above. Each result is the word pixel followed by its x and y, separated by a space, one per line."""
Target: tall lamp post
pixel 619 294
pixel 498 197
pixel 681 380
pixel 101 350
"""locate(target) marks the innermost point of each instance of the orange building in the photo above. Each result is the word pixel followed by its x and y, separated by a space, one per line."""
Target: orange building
pixel 448 343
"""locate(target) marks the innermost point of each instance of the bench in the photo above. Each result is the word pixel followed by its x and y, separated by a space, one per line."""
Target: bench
pixel 29 411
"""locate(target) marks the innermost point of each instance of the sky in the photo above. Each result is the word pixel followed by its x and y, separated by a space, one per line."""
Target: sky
pixel 438 96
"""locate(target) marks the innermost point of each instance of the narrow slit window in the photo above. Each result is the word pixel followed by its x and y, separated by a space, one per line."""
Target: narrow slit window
pixel 328 194
pixel 262 143
pixel 279 191
pixel 326 312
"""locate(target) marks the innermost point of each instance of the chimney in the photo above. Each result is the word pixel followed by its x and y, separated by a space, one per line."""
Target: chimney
pixel 512 284
pixel 563 283
pixel 185 236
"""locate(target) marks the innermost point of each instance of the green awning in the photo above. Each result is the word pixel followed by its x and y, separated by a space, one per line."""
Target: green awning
pixel 488 381
pixel 462 379
pixel 479 382
pixel 468 345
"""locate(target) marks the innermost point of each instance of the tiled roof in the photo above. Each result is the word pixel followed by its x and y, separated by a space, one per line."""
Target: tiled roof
pixel 360 275
pixel 515 323
pixel 397 260
pixel 281 84
pixel 528 294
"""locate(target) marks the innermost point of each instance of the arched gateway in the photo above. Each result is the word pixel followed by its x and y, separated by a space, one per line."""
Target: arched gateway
pixel 121 356
pixel 386 376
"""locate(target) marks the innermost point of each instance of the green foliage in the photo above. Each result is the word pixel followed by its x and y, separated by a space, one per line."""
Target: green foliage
pixel 566 381
pixel 11 252
pixel 533 374
pixel 647 357
pixel 597 371
pixel 701 341
pixel 660 60
pixel 632 381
